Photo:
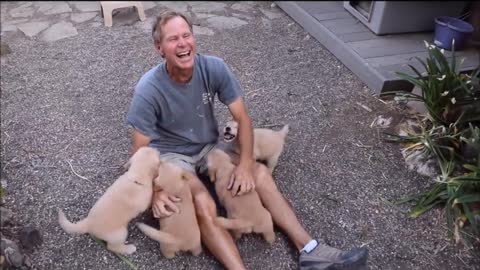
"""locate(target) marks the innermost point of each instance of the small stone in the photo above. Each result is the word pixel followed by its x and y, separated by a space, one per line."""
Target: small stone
pixel 273 5
pixel 30 237
pixel 27 261
pixel 12 253
pixel 4 49
pixel 6 216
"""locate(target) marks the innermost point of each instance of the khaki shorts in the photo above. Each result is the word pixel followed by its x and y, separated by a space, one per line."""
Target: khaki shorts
pixel 198 163
pixel 195 164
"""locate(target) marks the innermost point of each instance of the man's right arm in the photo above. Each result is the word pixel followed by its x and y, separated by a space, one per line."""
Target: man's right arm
pixel 138 140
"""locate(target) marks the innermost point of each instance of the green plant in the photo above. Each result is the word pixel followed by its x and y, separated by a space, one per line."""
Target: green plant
pixel 450 134
pixel 429 139
pixel 460 194
pixel 470 148
pixel 449 95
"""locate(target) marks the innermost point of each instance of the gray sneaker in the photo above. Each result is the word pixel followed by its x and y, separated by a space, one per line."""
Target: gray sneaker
pixel 326 257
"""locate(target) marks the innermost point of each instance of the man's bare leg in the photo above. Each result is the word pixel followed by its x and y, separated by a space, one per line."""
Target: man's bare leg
pixel 282 214
pixel 217 239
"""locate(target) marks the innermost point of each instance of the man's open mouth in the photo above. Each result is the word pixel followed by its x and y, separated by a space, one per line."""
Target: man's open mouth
pixel 228 137
pixel 183 54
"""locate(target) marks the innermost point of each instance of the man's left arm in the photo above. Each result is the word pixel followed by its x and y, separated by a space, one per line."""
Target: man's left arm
pixel 242 180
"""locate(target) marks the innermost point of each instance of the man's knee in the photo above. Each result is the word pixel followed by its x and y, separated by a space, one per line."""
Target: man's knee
pixel 204 207
pixel 264 179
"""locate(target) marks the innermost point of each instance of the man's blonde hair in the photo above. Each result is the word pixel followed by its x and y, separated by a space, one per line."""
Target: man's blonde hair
pixel 162 19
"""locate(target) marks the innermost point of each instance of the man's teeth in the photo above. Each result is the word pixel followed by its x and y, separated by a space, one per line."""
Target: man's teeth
pixel 182 54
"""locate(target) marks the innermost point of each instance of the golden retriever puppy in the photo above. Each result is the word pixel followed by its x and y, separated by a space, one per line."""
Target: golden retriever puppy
pixel 126 198
pixel 267 144
pixel 246 213
pixel 178 232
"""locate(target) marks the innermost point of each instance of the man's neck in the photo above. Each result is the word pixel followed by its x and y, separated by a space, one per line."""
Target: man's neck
pixel 178 75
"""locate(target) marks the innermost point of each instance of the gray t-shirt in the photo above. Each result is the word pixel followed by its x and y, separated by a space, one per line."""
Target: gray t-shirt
pixel 178 117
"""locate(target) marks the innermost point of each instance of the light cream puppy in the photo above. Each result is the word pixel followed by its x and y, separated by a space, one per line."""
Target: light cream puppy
pixel 126 198
pixel 246 213
pixel 178 232
pixel 267 143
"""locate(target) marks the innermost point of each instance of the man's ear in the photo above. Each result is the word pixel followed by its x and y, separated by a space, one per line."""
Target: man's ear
pixel 159 49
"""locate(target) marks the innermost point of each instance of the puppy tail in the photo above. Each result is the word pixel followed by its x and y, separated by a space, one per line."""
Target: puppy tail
pixel 156 235
pixel 233 223
pixel 80 227
pixel 284 130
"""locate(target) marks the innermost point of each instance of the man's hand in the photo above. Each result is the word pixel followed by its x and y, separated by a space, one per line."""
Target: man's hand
pixel 242 180
pixel 163 205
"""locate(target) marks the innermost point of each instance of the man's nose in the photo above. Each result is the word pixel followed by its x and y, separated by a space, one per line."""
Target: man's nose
pixel 181 42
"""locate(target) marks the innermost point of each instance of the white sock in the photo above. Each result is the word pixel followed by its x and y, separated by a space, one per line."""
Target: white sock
pixel 310 246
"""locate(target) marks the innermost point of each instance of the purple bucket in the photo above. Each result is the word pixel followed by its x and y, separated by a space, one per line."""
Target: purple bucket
pixel 447 29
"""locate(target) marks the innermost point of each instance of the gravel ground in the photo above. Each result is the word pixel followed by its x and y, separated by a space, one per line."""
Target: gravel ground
pixel 63 108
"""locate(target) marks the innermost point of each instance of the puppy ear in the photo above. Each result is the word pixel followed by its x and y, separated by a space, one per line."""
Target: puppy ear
pixel 212 175
pixel 156 181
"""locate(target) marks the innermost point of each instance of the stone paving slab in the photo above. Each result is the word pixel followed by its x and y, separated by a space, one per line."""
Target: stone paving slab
pixel 31 29
pixel 207 6
pixel 86 6
pixel 177 6
pixel 82 17
pixel 222 22
pixel 198 30
pixel 59 31
pixel 50 8
pixel 57 14
pixel 25 10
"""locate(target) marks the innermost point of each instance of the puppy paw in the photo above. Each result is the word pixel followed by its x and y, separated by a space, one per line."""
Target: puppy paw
pixel 197 250
pixel 130 249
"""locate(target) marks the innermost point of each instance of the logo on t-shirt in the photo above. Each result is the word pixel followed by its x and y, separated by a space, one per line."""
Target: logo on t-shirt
pixel 206 97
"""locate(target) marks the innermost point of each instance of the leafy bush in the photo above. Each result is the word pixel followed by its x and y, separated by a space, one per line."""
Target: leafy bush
pixel 450 133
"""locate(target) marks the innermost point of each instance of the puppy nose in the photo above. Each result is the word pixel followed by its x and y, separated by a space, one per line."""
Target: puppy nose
pixel 228 129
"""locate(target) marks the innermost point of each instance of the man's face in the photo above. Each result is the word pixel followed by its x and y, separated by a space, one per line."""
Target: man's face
pixel 178 44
